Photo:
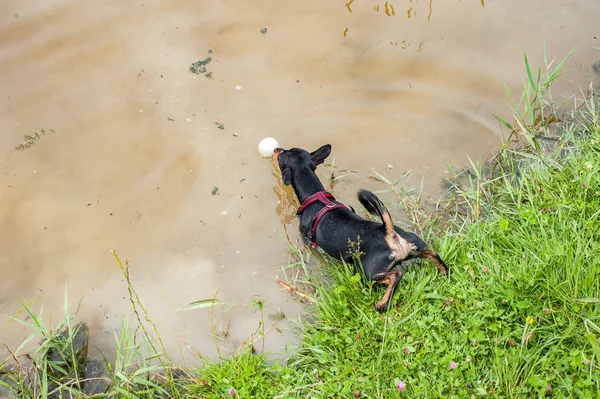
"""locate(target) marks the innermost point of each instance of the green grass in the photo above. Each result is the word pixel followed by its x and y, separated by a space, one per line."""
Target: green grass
pixel 520 316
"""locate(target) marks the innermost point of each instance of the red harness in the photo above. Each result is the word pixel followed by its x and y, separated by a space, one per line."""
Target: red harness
pixel 330 203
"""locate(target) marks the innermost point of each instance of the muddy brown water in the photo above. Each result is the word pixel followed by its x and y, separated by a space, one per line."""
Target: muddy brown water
pixel 133 147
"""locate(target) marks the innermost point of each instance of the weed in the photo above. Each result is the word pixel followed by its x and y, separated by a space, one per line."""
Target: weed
pixel 199 67
pixel 30 140
pixel 259 304
pixel 332 178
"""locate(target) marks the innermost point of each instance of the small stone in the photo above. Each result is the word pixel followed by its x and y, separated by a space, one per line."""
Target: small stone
pixel 357 394
pixel 235 134
pixel 238 87
pixel 390 166
pixel 263 30
pixel 224 212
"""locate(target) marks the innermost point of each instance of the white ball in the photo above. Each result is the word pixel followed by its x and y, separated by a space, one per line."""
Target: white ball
pixel 267 146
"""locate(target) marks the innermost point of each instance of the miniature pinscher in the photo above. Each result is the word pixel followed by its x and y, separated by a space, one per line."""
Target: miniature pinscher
pixel 339 231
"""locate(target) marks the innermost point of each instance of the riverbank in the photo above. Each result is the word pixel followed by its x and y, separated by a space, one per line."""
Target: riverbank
pixel 520 316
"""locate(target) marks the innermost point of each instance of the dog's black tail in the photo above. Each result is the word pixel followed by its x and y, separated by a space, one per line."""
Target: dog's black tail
pixel 375 207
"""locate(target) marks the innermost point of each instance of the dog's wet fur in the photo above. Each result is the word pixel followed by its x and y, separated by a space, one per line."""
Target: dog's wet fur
pixel 382 247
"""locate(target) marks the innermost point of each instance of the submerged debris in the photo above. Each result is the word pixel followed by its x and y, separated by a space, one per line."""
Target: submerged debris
pixel 29 140
pixel 199 67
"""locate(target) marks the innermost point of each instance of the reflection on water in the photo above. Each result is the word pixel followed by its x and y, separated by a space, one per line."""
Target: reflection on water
pixel 388 8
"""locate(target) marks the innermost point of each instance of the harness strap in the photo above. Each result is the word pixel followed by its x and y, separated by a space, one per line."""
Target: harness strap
pixel 320 196
pixel 330 203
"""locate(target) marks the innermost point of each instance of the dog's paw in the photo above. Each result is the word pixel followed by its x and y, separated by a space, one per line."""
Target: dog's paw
pixel 447 274
pixel 444 270
pixel 381 307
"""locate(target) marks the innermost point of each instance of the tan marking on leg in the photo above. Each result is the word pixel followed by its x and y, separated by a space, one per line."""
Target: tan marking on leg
pixel 435 258
pixel 390 280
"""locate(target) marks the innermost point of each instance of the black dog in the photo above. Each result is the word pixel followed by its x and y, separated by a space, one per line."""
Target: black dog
pixel 332 226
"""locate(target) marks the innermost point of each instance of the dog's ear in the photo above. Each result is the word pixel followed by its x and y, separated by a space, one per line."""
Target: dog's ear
pixel 286 176
pixel 318 156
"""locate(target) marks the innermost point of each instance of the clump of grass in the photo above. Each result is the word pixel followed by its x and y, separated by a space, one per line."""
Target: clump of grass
pixel 199 67
pixel 247 374
pixel 157 380
pixel 58 366
pixel 30 140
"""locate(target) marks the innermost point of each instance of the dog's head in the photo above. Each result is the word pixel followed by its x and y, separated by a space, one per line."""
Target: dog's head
pixel 295 160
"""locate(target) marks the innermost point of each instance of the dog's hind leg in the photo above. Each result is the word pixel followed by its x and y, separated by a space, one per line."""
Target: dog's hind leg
pixel 437 260
pixel 391 279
